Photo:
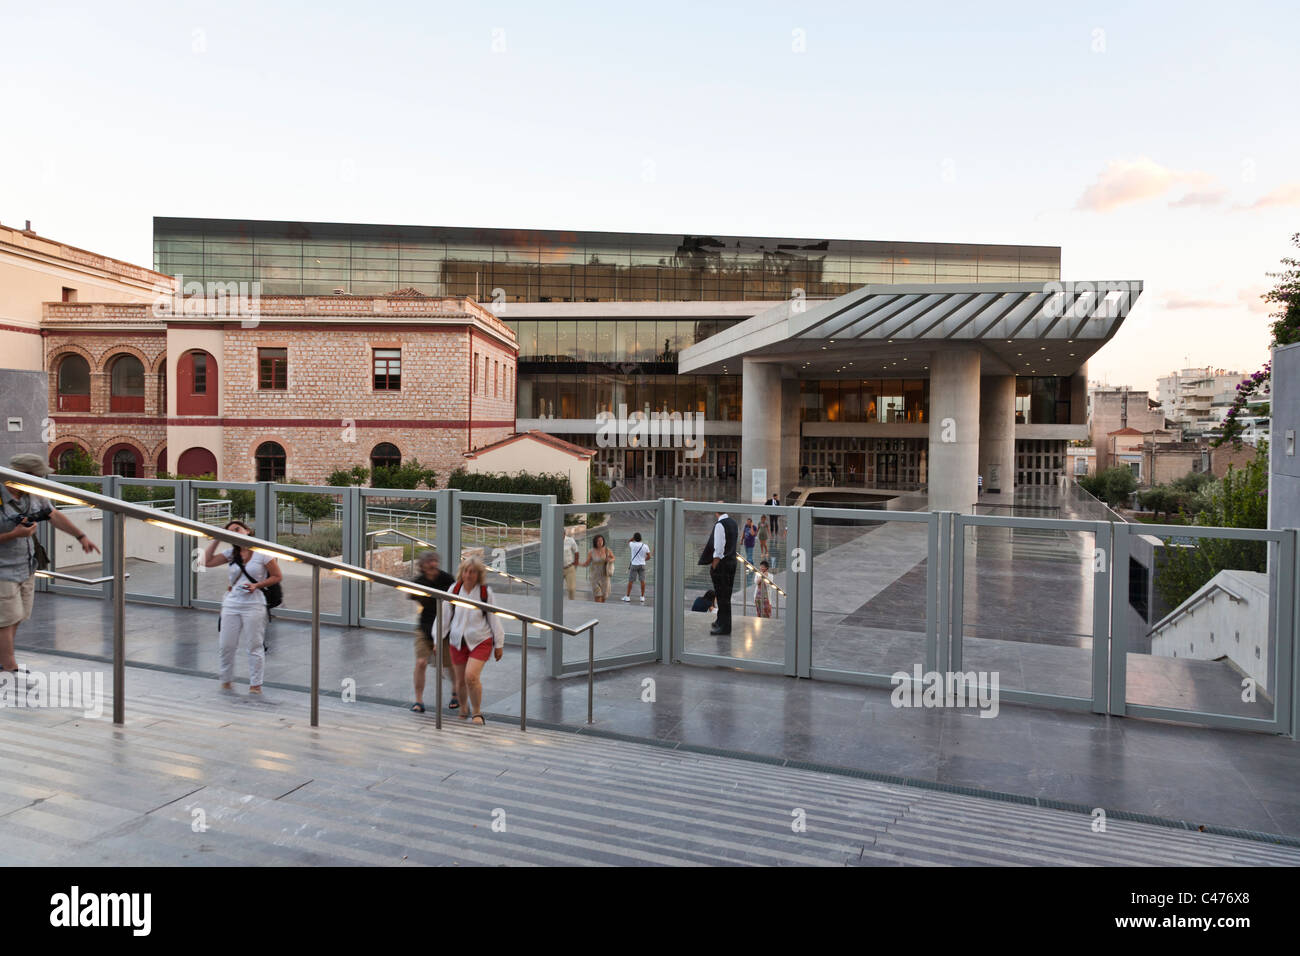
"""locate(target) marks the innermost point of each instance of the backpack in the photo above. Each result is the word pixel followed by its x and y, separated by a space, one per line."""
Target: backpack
pixel 274 594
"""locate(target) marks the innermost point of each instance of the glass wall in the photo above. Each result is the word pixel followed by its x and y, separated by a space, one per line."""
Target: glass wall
pixel 1042 400
pixel 887 401
pixel 291 258
pixel 611 340
pixel 585 394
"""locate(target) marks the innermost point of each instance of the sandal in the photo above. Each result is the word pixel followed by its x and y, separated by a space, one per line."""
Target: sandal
pixel 482 721
pixel 455 703
pixel 418 708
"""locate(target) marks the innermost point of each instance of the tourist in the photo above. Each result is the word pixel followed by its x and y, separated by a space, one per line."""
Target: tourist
pixel 763 591
pixel 429 572
pixel 571 554
pixel 762 538
pixel 474 634
pixel 720 555
pixel 748 537
pixel 705 602
pixel 772 519
pixel 636 570
pixel 21 555
pixel 243 609
pixel 600 568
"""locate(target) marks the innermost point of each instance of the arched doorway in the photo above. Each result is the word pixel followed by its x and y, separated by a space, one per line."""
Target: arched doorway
pixel 74 384
pixel 195 462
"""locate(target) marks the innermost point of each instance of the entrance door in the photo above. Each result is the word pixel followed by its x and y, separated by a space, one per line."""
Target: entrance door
pixel 886 469
pixel 633 465
pixel 855 467
pixel 665 463
pixel 727 465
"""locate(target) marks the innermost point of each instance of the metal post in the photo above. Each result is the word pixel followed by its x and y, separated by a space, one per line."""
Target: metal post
pixel 523 679
pixel 437 652
pixel 119 619
pixel 591 667
pixel 315 645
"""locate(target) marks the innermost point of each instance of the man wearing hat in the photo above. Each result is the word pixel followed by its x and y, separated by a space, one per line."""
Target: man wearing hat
pixel 19 516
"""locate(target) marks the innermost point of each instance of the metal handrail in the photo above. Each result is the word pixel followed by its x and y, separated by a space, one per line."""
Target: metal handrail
pixel 188 526
pixel 60 576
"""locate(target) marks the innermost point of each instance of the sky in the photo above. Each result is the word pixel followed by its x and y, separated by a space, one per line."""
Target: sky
pixel 1155 143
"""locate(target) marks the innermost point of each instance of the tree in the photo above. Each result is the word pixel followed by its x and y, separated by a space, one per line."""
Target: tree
pixel 1113 486
pixel 1239 500
pixel 310 505
pixel 78 461
pixel 409 475
pixel 356 475
pixel 243 504
pixel 1285 295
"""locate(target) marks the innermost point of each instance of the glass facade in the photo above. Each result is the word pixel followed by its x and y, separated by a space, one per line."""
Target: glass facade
pixel 527 265
pixel 1042 400
pixel 887 401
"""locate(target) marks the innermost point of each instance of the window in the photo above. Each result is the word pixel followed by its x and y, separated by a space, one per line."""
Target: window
pixel 200 386
pixel 126 385
pixel 388 370
pixel 269 459
pixel 74 384
pixel 496 387
pixel 122 460
pixel 69 294
pixel 273 370
pixel 385 455
pixel 473 387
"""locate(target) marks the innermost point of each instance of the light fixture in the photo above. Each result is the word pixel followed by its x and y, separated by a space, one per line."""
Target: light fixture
pixel 352 574
pixel 175 527
pixel 542 627
pixel 412 591
pixel 508 617
pixel 41 492
pixel 274 554
pixel 463 604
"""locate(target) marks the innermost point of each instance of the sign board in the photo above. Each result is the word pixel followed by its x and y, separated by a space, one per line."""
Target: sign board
pixel 758 486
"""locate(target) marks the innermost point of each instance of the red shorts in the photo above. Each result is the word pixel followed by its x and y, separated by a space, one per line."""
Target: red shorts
pixel 459 655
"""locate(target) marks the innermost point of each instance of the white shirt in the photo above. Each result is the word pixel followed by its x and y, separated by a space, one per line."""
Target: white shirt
pixel 640 551
pixel 240 592
pixel 570 551
pixel 470 625
pixel 719 539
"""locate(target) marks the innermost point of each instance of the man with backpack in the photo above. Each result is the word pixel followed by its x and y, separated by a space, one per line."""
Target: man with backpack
pixel 430 573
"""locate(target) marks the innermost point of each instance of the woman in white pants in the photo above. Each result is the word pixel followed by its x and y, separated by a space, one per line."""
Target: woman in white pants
pixel 243 609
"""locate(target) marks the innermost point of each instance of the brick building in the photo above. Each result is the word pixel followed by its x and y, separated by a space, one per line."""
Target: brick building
pixel 1125 411
pixel 303 386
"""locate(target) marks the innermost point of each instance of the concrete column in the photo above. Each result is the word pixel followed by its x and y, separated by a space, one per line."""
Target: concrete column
pixel 790 437
pixel 997 457
pixel 760 426
pixel 954 429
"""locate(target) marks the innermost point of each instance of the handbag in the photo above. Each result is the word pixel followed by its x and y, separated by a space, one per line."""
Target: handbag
pixel 274 594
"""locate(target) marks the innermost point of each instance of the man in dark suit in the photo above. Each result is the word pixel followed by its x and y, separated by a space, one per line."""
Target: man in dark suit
pixel 720 555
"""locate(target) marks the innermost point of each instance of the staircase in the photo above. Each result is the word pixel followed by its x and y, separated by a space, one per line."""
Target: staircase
pixel 198 777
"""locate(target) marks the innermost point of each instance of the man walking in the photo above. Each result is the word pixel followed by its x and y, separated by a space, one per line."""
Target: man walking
pixel 571 555
pixel 19 516
pixel 720 555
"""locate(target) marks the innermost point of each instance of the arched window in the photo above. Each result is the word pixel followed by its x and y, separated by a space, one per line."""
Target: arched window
pixel 61 458
pixel 196 461
pixel 162 460
pixel 123 460
pixel 269 459
pixel 74 384
pixel 385 455
pixel 127 386
pixel 196 383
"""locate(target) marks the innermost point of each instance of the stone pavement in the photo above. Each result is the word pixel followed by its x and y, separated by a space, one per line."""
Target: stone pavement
pixel 1226 778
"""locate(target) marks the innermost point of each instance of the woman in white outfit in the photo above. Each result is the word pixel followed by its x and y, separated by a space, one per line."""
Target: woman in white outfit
pixel 473 634
pixel 243 609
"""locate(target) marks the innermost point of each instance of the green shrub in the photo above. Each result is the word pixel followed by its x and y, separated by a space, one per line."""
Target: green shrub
pixel 1113 486
pixel 599 492
pixel 522 483
pixel 328 542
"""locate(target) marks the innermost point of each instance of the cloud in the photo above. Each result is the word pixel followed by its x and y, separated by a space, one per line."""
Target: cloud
pixel 1250 298
pixel 1174 302
pixel 1288 194
pixel 1125 181
pixel 1206 197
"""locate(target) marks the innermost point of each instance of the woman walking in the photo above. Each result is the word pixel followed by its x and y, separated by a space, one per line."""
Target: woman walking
pixel 748 537
pixel 600 568
pixel 473 634
pixel 762 539
pixel 243 609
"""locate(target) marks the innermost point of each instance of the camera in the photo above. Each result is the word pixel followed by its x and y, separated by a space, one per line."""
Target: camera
pixel 32 517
